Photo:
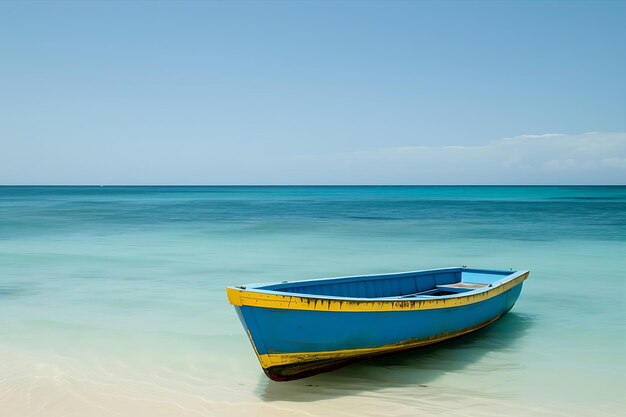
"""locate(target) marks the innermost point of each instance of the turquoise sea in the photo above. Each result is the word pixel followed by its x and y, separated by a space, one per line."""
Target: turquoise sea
pixel 112 299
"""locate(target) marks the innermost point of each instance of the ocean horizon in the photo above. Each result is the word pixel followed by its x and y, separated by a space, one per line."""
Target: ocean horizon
pixel 112 298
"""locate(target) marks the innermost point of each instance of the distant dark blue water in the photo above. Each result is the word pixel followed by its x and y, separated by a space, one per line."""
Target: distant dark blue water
pixel 544 213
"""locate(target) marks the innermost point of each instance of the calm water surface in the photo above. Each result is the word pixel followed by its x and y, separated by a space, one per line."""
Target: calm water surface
pixel 112 299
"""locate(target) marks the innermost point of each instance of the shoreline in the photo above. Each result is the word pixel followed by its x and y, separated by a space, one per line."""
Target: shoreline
pixel 48 385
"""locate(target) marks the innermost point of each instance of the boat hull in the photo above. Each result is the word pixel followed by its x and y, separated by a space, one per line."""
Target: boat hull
pixel 298 370
pixel 296 343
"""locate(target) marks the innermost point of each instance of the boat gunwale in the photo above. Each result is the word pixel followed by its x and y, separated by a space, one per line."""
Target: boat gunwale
pixel 254 296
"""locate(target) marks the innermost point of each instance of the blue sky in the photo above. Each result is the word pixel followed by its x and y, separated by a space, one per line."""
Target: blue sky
pixel 312 93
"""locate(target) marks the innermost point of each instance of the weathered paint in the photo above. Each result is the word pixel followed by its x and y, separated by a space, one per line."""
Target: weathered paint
pixel 284 367
pixel 277 359
pixel 272 299
pixel 294 338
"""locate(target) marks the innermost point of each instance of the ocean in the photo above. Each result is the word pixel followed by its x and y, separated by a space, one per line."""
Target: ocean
pixel 112 299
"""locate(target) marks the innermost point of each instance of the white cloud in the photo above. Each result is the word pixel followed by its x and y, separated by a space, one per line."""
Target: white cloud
pixel 589 158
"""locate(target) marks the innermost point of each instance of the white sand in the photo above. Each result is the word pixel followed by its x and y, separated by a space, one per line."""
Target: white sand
pixel 53 386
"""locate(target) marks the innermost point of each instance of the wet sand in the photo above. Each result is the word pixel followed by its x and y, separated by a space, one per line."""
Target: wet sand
pixel 448 384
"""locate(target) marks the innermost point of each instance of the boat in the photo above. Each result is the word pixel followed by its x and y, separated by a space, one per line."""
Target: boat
pixel 302 328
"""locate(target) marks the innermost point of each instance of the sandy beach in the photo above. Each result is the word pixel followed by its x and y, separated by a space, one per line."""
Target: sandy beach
pixel 61 386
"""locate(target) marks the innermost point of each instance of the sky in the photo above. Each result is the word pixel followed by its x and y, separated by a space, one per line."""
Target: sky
pixel 312 92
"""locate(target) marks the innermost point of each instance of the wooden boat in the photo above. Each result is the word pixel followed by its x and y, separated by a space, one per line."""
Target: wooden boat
pixel 302 328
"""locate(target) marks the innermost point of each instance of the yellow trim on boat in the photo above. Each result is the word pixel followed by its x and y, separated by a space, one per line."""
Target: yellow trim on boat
pixel 278 359
pixel 251 298
pixel 233 296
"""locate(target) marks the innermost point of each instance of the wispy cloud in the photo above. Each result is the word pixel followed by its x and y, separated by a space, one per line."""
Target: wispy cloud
pixel 588 158
pixel 555 158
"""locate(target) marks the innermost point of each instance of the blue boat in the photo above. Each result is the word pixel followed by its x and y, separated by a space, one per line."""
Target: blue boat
pixel 302 328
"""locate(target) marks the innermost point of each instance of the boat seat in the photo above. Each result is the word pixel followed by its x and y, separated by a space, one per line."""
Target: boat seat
pixel 460 287
pixel 470 285
pixel 456 287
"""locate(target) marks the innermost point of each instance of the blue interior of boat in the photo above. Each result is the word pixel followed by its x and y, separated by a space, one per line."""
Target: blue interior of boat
pixel 409 284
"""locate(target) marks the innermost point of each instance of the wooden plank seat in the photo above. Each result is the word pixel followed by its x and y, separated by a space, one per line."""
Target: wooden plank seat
pixel 452 288
pixel 471 285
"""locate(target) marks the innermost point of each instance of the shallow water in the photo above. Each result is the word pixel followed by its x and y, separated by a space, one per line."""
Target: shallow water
pixel 112 299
